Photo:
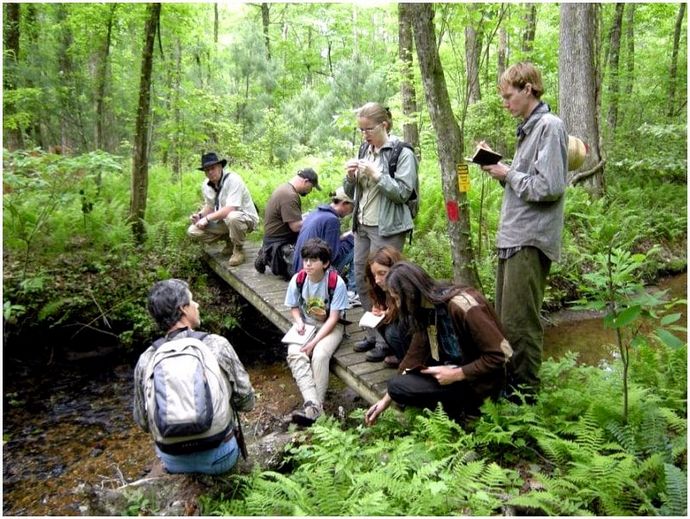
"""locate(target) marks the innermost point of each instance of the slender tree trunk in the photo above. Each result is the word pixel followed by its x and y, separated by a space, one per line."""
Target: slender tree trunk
pixel 530 28
pixel 13 137
pixel 449 142
pixel 473 46
pixel 502 55
pixel 265 21
pixel 215 23
pixel 407 88
pixel 140 171
pixel 673 72
pixel 613 59
pixel 579 95
pixel 630 58
pixel 101 80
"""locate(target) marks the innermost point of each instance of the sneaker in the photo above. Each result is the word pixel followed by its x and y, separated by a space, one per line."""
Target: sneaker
pixel 376 355
pixel 353 299
pixel 391 361
pixel 259 263
pixel 364 345
pixel 308 415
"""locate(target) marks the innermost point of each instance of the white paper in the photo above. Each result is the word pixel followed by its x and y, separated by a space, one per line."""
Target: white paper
pixel 369 320
pixel 292 337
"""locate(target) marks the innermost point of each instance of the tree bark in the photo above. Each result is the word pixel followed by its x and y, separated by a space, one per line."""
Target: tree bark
pixel 101 81
pixel 613 60
pixel 579 96
pixel 13 137
pixel 502 53
pixel 140 172
pixel 449 142
pixel 407 88
pixel 630 58
pixel 530 28
pixel 473 45
pixel 265 21
pixel 215 23
pixel 673 72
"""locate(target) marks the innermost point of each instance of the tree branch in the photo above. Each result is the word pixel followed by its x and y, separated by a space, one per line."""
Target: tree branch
pixel 586 174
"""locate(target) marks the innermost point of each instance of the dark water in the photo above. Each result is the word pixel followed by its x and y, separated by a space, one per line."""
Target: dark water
pixel 67 426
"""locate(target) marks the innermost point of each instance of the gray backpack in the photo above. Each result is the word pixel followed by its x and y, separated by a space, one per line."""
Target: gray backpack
pixel 187 396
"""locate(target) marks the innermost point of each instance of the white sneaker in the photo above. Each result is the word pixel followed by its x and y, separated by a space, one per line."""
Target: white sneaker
pixel 353 299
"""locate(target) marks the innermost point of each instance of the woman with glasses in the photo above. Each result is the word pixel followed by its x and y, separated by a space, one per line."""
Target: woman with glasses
pixel 381 216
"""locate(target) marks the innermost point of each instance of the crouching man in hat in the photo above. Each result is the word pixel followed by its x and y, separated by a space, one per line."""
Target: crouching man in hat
pixel 189 387
pixel 229 212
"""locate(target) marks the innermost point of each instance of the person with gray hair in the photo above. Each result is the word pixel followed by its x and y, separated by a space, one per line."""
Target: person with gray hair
pixel 174 310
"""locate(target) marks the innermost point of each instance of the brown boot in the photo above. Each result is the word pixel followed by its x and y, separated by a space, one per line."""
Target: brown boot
pixel 228 249
pixel 237 257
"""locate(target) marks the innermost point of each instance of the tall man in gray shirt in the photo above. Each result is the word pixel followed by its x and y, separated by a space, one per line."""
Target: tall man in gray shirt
pixel 531 223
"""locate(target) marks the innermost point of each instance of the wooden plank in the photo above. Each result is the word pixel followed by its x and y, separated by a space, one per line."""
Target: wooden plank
pixel 267 293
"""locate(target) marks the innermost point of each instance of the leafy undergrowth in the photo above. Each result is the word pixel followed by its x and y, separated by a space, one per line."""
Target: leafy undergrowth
pixel 569 454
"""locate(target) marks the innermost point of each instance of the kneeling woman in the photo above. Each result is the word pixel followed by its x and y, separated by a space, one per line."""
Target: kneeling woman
pixel 458 352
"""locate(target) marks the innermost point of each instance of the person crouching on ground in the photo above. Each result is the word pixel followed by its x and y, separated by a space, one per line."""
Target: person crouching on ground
pixel 229 212
pixel 172 306
pixel 458 353
pixel 314 305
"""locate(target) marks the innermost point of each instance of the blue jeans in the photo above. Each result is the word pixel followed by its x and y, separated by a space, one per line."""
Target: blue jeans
pixel 212 461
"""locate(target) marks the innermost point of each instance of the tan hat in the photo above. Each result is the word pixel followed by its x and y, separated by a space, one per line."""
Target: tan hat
pixel 577 151
pixel 341 196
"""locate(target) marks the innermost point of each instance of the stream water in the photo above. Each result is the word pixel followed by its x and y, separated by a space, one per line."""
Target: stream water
pixel 70 425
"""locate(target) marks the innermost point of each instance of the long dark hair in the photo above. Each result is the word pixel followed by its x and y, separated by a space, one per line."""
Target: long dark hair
pixel 412 285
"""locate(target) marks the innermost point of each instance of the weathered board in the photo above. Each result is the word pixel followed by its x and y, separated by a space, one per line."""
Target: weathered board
pixel 266 293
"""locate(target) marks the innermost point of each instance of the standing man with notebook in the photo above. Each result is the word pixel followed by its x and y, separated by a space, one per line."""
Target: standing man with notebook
pixel 531 223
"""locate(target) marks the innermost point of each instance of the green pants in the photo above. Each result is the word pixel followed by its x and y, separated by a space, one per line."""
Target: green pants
pixel 520 285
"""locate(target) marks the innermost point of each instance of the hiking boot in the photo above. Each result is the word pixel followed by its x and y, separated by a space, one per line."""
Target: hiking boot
pixel 376 355
pixel 229 249
pixel 391 361
pixel 259 263
pixel 307 415
pixel 237 257
pixel 364 345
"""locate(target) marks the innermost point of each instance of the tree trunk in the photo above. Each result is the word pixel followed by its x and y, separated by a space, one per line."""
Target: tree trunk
pixel 449 142
pixel 140 171
pixel 579 96
pixel 265 20
pixel 530 28
pixel 673 72
pixel 630 58
pixel 215 23
pixel 13 136
pixel 473 46
pixel 407 88
pixel 613 59
pixel 502 53
pixel 101 81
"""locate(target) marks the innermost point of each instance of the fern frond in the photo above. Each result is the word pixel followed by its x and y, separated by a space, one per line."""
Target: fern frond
pixel 675 496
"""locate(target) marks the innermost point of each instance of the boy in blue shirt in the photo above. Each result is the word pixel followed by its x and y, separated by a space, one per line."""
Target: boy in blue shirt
pixel 313 305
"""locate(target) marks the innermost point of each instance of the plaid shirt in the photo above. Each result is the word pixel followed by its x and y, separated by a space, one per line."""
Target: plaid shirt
pixel 241 390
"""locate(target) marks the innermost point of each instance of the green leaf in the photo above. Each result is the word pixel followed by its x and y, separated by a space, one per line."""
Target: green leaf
pixel 668 338
pixel 670 318
pixel 624 318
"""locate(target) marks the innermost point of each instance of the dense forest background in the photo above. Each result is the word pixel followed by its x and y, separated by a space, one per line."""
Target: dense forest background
pixel 107 108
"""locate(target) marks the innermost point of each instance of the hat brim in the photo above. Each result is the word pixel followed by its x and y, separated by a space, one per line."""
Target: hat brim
pixel 222 162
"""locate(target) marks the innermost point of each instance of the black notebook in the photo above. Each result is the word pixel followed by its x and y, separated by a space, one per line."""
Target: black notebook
pixel 485 157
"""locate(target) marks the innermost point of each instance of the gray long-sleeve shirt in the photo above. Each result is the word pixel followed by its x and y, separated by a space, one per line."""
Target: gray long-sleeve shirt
pixel 533 200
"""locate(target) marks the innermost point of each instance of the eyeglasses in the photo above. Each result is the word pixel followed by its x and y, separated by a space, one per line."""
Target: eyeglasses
pixel 369 130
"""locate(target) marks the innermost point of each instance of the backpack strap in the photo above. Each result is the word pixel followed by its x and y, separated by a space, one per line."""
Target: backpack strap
pixel 162 340
pixel 395 155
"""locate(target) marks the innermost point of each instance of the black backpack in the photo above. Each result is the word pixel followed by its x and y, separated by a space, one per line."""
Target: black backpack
pixel 412 202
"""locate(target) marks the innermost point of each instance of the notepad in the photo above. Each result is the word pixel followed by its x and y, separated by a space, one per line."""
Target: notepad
pixel 369 320
pixel 293 337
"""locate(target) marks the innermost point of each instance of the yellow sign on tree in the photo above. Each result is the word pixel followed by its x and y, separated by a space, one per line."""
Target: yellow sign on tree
pixel 463 178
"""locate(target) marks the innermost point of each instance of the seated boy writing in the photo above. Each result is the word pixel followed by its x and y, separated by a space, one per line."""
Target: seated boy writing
pixel 313 302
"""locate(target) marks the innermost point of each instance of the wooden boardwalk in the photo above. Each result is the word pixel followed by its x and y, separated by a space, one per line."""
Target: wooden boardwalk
pixel 266 292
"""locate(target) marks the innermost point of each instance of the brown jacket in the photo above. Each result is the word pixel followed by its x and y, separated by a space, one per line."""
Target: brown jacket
pixel 484 347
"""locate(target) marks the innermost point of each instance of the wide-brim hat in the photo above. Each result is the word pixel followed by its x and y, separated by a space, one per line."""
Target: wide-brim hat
pixel 577 152
pixel 310 175
pixel 211 159
pixel 341 196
